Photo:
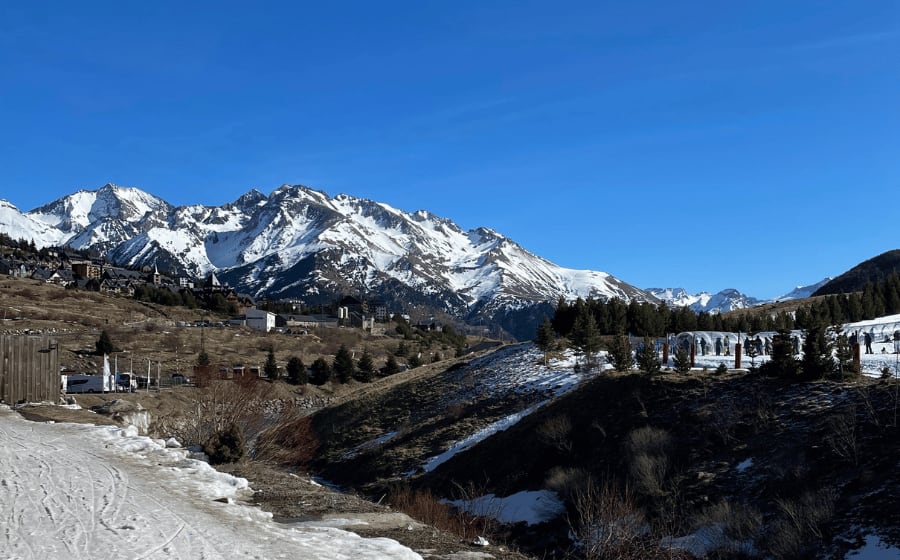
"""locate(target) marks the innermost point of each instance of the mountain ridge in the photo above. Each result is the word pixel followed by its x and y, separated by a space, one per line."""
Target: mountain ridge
pixel 300 242
pixel 729 299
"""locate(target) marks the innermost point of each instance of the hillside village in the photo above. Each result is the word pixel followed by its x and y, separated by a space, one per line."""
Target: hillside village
pixel 71 269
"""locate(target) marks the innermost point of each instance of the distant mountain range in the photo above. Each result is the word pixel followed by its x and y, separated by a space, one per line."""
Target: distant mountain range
pixel 726 300
pixel 301 243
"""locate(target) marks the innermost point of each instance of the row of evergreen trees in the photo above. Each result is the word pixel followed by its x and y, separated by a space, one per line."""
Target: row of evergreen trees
pixel 641 319
pixel 826 351
pixel 214 302
pixel 342 368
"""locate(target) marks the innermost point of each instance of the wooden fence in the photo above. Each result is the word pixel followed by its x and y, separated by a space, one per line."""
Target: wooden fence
pixel 29 369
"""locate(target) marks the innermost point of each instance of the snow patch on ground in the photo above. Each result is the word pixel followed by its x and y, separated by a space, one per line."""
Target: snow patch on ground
pixel 875 549
pixel 531 507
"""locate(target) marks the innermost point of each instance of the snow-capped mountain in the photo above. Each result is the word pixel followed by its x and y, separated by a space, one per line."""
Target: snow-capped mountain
pixel 726 300
pixel 801 292
pixel 298 242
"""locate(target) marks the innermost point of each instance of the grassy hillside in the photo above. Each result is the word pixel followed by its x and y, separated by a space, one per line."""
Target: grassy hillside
pixel 143 331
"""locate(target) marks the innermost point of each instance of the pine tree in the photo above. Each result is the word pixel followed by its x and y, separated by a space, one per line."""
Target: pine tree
pixel 648 359
pixel 226 447
pixel 415 361
pixel 620 353
pixel 545 339
pixel 365 368
pixel 391 367
pixel 817 360
pixel 586 337
pixel 343 365
pixel 203 359
pixel 783 361
pixel 681 361
pixel 751 351
pixel 104 344
pixel 563 317
pixel 296 371
pixel 843 352
pixel 270 368
pixel 320 372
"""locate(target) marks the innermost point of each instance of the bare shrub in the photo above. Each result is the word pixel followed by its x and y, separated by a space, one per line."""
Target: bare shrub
pixel 425 507
pixel 800 522
pixel 608 524
pixel 866 400
pixel 762 413
pixel 720 419
pixel 741 525
pixel 648 449
pixel 556 432
pixel 290 441
pixel 478 511
pixel 841 437
pixel 568 482
pixel 215 407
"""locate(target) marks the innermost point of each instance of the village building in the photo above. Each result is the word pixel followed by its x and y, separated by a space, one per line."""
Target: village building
pixel 260 319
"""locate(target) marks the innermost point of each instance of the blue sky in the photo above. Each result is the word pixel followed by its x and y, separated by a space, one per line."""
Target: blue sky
pixel 703 145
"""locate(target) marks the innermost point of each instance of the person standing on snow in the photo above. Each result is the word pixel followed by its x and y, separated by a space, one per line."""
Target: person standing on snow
pixel 867 338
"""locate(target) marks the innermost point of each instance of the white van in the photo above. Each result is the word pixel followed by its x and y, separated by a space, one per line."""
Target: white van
pixel 84 383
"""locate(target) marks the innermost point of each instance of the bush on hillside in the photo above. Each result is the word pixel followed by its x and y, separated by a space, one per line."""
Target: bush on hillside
pixel 226 447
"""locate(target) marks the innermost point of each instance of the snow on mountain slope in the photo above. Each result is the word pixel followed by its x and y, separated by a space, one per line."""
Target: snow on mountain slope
pixel 297 241
pixel 104 218
pixel 801 292
pixel 17 226
pixel 726 300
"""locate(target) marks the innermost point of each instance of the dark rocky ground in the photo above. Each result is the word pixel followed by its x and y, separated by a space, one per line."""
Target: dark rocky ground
pixel 811 467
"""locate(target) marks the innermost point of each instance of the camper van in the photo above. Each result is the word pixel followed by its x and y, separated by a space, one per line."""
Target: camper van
pixel 84 383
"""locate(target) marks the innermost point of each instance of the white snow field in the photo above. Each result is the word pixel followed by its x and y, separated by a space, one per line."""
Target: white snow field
pixel 75 491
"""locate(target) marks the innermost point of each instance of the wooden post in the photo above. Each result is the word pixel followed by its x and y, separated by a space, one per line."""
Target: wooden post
pixel 737 355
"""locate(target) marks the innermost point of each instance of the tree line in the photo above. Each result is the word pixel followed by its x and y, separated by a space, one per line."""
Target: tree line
pixel 826 350
pixel 614 316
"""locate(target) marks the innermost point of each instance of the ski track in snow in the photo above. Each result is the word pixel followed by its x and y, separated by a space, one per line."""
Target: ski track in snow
pixel 74 491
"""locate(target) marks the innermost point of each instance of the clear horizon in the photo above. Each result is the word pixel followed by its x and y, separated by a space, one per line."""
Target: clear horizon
pixel 697 146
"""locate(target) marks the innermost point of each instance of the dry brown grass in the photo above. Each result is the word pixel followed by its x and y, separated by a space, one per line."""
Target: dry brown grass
pixel 149 332
pixel 291 441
